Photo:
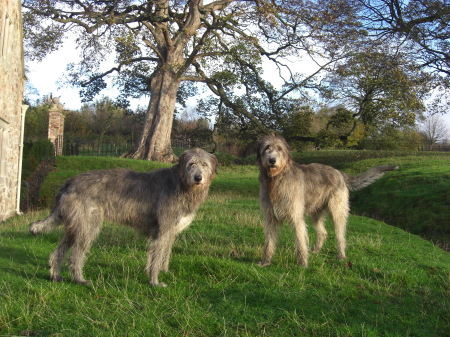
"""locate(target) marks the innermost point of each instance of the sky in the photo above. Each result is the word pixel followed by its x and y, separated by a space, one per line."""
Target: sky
pixel 47 77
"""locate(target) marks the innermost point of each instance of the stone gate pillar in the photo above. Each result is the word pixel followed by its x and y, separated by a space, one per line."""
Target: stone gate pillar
pixel 56 126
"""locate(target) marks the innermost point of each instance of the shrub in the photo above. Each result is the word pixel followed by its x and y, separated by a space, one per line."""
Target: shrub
pixel 41 150
pixel 38 160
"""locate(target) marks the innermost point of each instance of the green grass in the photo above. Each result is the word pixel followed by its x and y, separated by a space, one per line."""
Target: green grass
pixel 393 283
pixel 415 198
pixel 343 158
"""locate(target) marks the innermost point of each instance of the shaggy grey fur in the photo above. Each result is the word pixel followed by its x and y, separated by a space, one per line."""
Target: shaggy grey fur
pixel 159 204
pixel 289 192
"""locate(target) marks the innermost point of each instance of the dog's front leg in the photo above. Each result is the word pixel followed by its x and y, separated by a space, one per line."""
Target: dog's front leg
pixel 167 253
pixel 271 231
pixel 155 258
pixel 301 240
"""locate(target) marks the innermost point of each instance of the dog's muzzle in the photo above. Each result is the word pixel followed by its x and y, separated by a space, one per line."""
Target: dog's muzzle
pixel 198 179
pixel 272 162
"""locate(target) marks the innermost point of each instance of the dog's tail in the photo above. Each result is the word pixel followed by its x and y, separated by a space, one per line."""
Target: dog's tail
pixel 55 218
pixel 46 225
pixel 365 179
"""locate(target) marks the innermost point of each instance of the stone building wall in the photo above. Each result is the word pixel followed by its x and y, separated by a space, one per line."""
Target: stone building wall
pixel 12 112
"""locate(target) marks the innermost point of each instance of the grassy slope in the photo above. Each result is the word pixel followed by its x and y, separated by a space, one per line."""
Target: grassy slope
pixel 394 283
pixel 342 158
pixel 416 198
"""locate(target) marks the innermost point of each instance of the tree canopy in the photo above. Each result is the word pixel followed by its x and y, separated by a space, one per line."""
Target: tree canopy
pixel 152 47
pixel 379 88
pixel 424 24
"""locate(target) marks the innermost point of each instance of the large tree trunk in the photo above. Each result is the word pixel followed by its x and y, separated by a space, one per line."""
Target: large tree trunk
pixel 154 142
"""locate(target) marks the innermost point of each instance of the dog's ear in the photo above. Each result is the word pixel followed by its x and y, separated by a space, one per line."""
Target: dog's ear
pixel 182 162
pixel 287 149
pixel 214 162
pixel 182 159
pixel 258 152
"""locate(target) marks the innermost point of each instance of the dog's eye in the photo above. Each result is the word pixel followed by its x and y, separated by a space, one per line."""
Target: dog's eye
pixel 204 164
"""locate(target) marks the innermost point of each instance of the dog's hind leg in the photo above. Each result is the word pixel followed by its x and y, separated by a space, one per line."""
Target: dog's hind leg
pixel 339 209
pixel 85 233
pixel 77 258
pixel 319 225
pixel 57 257
pixel 76 261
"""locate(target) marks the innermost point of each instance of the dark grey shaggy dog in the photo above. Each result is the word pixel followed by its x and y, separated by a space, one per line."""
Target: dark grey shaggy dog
pixel 159 204
pixel 289 192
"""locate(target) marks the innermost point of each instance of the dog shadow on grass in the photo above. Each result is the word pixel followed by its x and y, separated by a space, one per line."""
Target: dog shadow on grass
pixel 22 262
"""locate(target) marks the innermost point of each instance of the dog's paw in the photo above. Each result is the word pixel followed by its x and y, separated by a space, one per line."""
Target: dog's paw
pixel 56 278
pixel 34 230
pixel 342 257
pixel 160 284
pixel 84 283
pixel 263 263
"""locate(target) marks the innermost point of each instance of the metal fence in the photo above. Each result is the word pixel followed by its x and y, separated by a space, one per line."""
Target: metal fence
pixel 436 147
pixel 116 149
pixel 96 148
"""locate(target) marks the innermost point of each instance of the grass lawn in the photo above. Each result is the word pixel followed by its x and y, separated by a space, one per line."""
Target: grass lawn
pixel 416 198
pixel 393 283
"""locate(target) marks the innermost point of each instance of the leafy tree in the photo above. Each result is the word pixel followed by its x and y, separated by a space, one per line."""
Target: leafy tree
pixel 191 132
pixel 77 125
pixel 379 89
pixel 100 120
pixel 296 123
pixel 334 126
pixel 106 117
pixel 159 44
pixel 389 137
pixel 339 126
pixel 423 28
pixel 36 122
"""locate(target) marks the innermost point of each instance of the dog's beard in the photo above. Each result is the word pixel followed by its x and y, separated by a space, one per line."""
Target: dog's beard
pixel 273 170
pixel 198 186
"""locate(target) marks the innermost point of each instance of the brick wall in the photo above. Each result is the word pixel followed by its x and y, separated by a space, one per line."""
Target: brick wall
pixel 12 80
pixel 56 126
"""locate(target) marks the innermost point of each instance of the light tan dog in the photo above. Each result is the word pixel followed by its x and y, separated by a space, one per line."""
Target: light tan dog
pixel 289 192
